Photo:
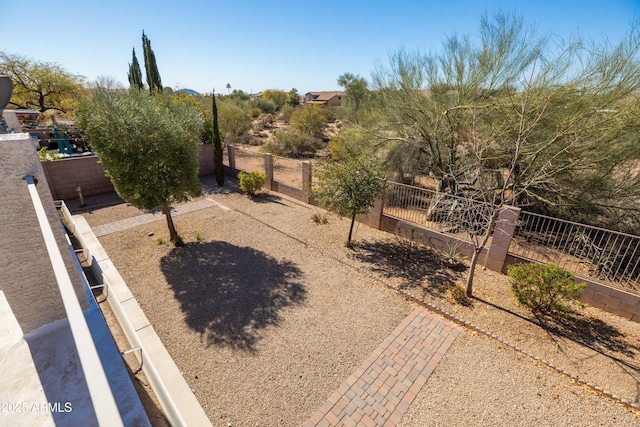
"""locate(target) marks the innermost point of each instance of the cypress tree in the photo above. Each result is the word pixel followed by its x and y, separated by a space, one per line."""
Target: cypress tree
pixel 217 145
pixel 135 74
pixel 153 76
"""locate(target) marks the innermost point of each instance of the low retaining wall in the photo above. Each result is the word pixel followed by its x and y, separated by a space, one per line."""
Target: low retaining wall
pixel 174 394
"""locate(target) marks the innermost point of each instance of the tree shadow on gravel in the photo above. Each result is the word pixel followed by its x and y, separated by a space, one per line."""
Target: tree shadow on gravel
pixel 591 332
pixel 230 294
pixel 415 265
pixel 588 331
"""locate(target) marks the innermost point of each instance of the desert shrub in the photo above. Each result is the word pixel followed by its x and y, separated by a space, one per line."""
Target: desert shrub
pixel 265 121
pixel 234 121
pixel 264 105
pixel 286 112
pixel 293 144
pixel 251 182
pixel 309 120
pixel 319 219
pixel 545 288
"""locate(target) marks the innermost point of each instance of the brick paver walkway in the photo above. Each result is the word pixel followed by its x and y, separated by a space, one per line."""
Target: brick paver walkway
pixel 113 227
pixel 380 391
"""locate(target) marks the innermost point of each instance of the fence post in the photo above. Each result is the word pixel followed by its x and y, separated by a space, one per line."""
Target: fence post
pixel 501 239
pixel 306 181
pixel 232 160
pixel 268 170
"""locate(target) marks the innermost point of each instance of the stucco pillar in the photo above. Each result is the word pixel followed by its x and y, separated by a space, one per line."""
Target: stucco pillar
pixel 268 170
pixel 307 176
pixel 232 160
pixel 502 235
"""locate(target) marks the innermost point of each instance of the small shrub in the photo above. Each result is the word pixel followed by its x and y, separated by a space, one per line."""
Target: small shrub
pixel 45 156
pixel 458 295
pixel 160 240
pixel 319 219
pixel 450 257
pixel 251 182
pixel 198 236
pixel 293 144
pixel 545 289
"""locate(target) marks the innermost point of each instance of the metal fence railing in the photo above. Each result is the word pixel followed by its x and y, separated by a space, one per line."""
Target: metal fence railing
pixel 459 216
pixel 604 255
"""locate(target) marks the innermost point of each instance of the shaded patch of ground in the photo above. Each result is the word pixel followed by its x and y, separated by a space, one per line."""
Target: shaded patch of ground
pixel 221 298
pixel 412 264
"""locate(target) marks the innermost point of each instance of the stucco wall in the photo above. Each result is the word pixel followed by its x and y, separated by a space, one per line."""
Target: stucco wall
pixel 27 277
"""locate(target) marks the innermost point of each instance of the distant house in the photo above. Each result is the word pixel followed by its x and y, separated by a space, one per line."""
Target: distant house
pixel 331 99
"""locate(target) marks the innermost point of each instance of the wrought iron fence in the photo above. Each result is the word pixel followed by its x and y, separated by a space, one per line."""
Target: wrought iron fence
pixel 459 216
pixel 604 255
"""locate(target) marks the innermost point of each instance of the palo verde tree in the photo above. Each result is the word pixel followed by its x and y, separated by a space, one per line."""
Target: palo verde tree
pixel 349 187
pixel 148 145
pixel 217 143
pixel 135 73
pixel 517 119
pixel 40 85
pixel 151 67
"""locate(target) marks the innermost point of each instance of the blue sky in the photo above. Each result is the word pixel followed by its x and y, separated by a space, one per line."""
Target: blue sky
pixel 257 45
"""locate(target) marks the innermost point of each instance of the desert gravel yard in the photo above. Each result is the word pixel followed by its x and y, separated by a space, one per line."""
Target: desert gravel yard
pixel 267 314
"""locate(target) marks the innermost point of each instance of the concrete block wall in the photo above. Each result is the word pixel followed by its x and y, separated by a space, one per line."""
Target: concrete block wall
pixel 617 301
pixel 65 175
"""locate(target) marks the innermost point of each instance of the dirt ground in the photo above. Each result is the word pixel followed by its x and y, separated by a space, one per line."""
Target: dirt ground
pixel 594 348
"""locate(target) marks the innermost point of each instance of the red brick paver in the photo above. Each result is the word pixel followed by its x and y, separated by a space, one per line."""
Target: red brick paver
pixel 380 391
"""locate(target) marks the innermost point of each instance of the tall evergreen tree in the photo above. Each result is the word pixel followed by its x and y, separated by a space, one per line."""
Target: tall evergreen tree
pixel 153 76
pixel 217 145
pixel 135 73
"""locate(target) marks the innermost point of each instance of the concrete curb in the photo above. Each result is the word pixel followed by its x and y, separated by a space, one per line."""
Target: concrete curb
pixel 174 394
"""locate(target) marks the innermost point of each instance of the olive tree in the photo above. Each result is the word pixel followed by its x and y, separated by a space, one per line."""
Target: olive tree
pixel 148 145
pixel 349 187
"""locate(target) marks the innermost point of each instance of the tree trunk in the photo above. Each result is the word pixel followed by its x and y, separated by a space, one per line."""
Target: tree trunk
pixel 477 248
pixel 353 220
pixel 174 236
pixel 472 270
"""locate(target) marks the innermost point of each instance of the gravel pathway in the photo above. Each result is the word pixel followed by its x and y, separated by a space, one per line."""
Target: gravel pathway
pixel 268 340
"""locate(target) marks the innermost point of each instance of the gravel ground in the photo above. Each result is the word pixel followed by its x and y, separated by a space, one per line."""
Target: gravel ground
pixel 268 343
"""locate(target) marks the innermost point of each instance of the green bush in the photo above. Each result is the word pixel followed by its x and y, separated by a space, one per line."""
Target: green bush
pixel 545 288
pixel 293 144
pixel 251 182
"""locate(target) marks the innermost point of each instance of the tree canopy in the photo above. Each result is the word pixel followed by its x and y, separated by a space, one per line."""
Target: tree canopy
pixel 349 187
pixel 40 85
pixel 514 117
pixel 148 145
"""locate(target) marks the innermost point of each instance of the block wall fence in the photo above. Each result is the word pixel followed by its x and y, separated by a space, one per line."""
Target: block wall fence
pixel 64 176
